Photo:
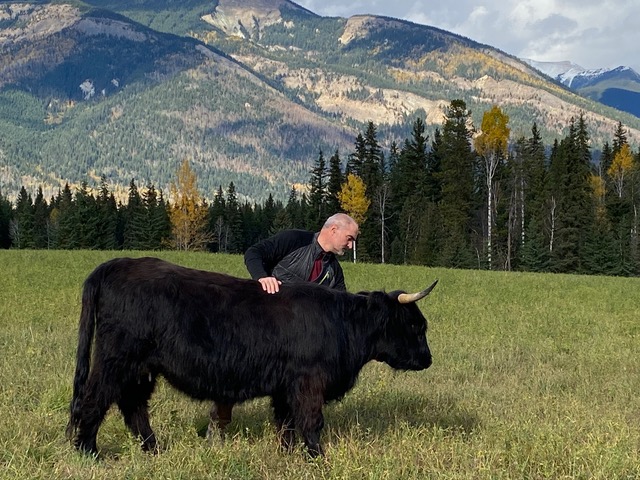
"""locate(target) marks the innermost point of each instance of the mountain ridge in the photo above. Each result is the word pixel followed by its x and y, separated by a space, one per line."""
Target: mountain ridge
pixel 253 102
pixel 617 87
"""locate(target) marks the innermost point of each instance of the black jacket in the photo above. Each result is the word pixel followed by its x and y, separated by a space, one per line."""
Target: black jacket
pixel 289 256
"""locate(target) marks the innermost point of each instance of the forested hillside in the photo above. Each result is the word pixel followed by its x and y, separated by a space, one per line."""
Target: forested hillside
pixel 126 102
pixel 248 92
pixel 450 153
pixel 456 201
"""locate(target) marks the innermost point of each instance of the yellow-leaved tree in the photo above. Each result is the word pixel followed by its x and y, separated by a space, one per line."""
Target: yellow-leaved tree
pixel 188 212
pixel 353 200
pixel 491 145
pixel 621 166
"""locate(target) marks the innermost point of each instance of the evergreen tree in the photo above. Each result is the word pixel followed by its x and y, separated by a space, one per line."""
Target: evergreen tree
pixel 22 225
pixel 161 219
pixel 281 222
pixel 408 183
pixel 622 208
pixel 40 221
pixel 295 210
pixel 571 191
pixel 268 217
pixel 534 173
pixel 606 158
pixel 135 234
pixel 597 256
pixel 385 205
pixel 86 219
pixel 433 174
pixel 355 161
pixel 304 210
pixel 457 188
pixel 253 220
pixel 373 163
pixel 619 138
pixel 218 223
pixel 157 220
pixel 409 169
pixel 234 220
pixel 534 252
pixel 372 168
pixel 533 245
pixel 620 170
pixel 317 193
pixel 429 240
pixel 107 217
pixel 62 220
pixel 121 221
pixel 334 183
pixel 6 215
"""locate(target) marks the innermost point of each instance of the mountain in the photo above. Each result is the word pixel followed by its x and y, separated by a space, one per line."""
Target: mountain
pixel 88 92
pixel 616 87
pixel 249 91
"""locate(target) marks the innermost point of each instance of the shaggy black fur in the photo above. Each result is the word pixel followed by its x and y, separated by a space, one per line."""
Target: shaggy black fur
pixel 222 338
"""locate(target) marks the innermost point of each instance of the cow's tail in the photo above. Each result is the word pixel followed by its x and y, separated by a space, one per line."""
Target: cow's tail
pixel 86 331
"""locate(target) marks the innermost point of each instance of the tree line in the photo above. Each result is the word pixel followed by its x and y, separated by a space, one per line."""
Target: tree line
pixel 465 198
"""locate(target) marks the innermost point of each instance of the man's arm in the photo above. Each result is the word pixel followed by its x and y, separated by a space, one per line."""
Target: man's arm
pixel 261 258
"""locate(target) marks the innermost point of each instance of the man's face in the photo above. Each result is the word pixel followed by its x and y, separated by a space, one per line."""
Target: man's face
pixel 342 238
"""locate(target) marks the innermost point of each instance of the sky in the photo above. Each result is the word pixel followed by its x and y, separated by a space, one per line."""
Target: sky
pixel 591 33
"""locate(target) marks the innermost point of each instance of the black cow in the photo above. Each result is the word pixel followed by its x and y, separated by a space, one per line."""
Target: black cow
pixel 217 337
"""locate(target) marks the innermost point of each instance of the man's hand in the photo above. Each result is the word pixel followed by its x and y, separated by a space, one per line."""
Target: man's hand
pixel 270 284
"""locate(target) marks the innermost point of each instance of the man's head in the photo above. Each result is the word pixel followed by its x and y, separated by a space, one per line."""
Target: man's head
pixel 338 234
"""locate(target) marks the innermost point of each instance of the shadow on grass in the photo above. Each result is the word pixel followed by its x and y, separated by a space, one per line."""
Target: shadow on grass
pixel 375 414
pixel 379 413
pixel 363 413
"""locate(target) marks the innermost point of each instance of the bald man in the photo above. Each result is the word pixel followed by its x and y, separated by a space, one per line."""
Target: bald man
pixel 295 256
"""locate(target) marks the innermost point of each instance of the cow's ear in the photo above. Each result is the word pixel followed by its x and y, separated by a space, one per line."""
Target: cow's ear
pixel 395 294
pixel 378 305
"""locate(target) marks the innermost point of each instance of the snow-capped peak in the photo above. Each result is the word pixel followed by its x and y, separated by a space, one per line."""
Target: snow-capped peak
pixel 567 72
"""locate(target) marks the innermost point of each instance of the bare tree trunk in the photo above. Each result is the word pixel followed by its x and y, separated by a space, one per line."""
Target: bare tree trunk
pixel 634 233
pixel 513 220
pixel 382 239
pixel 15 234
pixel 406 238
pixel 522 207
pixel 489 221
pixel 491 164
pixel 553 223
pixel 381 200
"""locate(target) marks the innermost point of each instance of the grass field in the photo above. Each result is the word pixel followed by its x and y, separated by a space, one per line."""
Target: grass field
pixel 535 376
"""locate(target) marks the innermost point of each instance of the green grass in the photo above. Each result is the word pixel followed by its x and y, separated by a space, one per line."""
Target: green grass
pixel 535 376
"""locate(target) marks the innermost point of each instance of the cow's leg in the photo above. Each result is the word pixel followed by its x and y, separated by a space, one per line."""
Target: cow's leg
pixel 284 421
pixel 219 418
pixel 311 423
pixel 134 405
pixel 98 397
pixel 307 412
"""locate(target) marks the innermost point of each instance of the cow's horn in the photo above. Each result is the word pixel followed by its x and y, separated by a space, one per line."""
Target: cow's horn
pixel 414 297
